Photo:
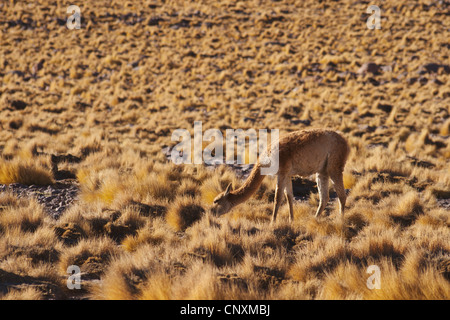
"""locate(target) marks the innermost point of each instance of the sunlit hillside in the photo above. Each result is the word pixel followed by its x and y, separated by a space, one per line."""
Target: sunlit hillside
pixel 86 123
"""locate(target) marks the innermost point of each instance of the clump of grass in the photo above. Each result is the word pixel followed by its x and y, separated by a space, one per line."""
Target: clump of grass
pixel 131 243
pixel 154 232
pixel 25 172
pixel 346 281
pixel 215 248
pixel 29 293
pixel 321 257
pixel 125 275
pixel 216 183
pixel 25 214
pixel 157 287
pixel 427 283
pixel 210 188
pixel 158 185
pixel 183 213
pixel 9 200
pixel 91 255
pixel 349 180
pixel 102 185
pixel 407 209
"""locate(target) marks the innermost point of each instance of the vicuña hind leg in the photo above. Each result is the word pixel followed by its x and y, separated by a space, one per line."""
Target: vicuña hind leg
pixel 290 197
pixel 281 185
pixel 322 185
pixel 338 183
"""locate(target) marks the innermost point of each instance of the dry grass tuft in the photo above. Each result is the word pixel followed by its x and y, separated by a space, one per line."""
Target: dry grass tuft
pixel 183 213
pixel 102 186
pixel 425 283
pixel 28 293
pixel 210 189
pixel 145 235
pixel 24 172
pixel 27 215
pixel 349 180
pixel 407 208
pixel 91 255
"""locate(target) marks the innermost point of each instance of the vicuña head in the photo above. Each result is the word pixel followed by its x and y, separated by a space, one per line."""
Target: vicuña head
pixel 301 153
pixel 222 203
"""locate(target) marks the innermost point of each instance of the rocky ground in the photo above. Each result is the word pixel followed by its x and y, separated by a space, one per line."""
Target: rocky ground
pixel 54 198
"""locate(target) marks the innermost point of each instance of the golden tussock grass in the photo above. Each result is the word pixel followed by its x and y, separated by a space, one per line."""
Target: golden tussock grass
pixel 25 215
pixel 184 212
pixel 213 184
pixel 29 293
pixel 349 180
pixel 413 282
pixel 144 236
pixel 24 172
pixel 210 189
pixel 90 255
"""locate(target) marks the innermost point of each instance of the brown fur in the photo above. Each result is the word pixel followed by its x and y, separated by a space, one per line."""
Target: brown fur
pixel 301 153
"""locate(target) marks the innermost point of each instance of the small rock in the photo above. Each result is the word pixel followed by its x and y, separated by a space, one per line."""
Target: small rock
pixel 305 122
pixel 18 105
pixel 369 67
pixel 385 107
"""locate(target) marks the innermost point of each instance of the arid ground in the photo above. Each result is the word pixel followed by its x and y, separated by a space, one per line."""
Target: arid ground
pixel 87 116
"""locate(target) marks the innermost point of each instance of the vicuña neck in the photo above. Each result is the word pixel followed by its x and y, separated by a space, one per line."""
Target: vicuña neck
pixel 249 187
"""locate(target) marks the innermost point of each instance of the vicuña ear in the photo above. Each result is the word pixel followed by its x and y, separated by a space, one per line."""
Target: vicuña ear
pixel 227 191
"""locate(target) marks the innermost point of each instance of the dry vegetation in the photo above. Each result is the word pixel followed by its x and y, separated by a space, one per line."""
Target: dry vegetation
pixel 112 92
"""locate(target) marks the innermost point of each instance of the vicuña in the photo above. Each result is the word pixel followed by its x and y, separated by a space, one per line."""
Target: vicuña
pixel 301 153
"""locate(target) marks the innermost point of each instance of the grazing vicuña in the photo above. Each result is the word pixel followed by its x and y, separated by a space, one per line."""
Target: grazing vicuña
pixel 301 153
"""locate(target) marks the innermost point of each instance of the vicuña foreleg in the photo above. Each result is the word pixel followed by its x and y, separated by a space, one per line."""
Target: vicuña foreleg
pixel 279 189
pixel 322 186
